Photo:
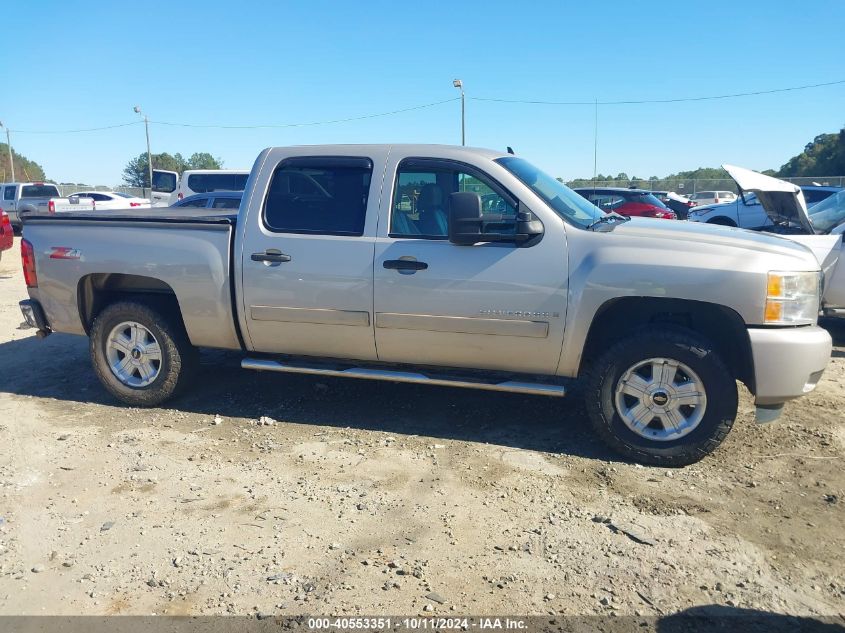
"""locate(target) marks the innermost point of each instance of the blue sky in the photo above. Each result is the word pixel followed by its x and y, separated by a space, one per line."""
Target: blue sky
pixel 86 64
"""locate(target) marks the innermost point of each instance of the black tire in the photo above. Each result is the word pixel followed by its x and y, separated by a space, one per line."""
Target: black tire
pixel 660 342
pixel 178 357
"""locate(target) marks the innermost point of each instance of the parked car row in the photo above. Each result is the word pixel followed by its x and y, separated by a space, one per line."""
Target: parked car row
pixel 169 187
pixel 31 197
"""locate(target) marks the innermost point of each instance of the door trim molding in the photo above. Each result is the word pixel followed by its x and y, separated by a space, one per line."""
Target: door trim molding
pixel 320 316
pixel 462 325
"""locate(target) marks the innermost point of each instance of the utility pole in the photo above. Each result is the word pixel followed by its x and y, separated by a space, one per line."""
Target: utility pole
pixel 9 146
pixel 137 110
pixel 457 83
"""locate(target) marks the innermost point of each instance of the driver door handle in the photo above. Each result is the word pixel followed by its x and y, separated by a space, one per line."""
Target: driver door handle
pixel 270 256
pixel 404 264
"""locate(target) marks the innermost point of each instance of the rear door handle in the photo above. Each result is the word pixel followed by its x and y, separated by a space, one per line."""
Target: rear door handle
pixel 270 256
pixel 404 264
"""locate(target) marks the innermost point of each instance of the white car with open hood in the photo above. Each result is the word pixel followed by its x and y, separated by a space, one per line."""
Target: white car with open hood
pixel 821 229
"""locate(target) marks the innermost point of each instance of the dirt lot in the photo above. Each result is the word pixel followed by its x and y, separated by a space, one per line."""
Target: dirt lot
pixel 374 498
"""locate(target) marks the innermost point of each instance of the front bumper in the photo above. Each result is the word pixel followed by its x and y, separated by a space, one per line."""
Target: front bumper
pixel 33 314
pixel 788 363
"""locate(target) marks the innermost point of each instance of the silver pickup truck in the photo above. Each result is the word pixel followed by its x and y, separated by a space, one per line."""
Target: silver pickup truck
pixel 445 266
pixel 19 198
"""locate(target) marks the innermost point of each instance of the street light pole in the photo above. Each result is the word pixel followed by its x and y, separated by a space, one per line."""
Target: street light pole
pixel 457 83
pixel 149 154
pixel 9 146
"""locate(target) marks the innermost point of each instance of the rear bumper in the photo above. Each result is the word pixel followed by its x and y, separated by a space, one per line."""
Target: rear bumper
pixel 788 363
pixel 33 314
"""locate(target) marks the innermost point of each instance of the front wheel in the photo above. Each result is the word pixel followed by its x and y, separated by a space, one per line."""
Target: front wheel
pixel 661 397
pixel 141 354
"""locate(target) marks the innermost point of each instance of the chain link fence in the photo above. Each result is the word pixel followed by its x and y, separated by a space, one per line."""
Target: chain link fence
pixel 699 184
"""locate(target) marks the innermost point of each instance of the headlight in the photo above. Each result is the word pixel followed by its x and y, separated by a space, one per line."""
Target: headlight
pixel 792 298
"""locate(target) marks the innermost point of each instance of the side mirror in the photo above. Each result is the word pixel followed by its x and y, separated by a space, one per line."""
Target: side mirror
pixel 466 222
pixel 465 218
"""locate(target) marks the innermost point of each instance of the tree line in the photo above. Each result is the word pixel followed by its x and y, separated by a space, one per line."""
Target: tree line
pixel 824 156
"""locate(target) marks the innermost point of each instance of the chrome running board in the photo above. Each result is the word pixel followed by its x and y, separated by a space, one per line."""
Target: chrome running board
pixel 511 386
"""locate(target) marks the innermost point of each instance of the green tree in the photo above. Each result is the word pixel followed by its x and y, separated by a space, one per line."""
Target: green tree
pixel 825 156
pixel 136 173
pixel 25 169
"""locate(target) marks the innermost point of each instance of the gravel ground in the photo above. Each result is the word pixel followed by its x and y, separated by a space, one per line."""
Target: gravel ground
pixel 357 497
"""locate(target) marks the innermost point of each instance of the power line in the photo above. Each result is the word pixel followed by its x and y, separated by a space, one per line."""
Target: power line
pixel 288 125
pixel 244 127
pixel 90 129
pixel 673 100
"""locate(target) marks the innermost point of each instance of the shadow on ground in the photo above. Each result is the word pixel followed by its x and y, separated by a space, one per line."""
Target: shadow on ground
pixel 58 368
pixel 836 327
pixel 709 618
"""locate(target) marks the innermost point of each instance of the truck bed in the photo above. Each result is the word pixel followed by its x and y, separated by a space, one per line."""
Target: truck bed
pixel 184 252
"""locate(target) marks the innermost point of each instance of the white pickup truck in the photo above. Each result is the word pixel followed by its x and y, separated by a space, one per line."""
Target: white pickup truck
pixel 444 266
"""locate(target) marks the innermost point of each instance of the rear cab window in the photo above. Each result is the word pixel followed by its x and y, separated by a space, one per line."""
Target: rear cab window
pixel 319 196
pixel 39 191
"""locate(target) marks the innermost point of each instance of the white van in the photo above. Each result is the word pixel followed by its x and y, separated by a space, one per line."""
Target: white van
pixel 168 188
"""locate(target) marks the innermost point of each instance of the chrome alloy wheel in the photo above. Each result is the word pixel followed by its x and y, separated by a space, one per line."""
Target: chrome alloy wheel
pixel 133 354
pixel 660 399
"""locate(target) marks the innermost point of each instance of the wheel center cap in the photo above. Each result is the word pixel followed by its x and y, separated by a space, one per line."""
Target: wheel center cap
pixel 660 398
pixel 136 353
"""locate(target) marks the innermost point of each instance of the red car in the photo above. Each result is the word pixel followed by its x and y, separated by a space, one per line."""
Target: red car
pixel 7 237
pixel 630 202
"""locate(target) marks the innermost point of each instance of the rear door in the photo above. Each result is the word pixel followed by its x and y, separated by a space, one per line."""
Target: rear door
pixel 486 306
pixel 164 185
pixel 307 257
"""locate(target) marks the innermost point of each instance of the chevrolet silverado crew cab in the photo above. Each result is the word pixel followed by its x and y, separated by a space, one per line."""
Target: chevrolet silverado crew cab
pixel 447 266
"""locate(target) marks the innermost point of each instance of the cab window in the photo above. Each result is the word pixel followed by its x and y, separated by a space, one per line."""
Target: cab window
pixel 324 196
pixel 420 206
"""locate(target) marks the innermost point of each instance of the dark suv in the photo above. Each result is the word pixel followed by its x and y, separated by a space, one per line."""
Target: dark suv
pixel 630 202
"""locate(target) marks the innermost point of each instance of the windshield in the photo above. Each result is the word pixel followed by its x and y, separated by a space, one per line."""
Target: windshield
pixel 123 195
pixel 565 202
pixel 829 213
pixel 646 198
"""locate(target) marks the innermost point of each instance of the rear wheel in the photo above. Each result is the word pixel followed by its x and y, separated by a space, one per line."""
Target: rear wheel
pixel 141 353
pixel 661 397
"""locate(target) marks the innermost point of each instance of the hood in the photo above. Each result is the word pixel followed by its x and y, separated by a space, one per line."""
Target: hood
pixel 782 201
pixel 723 237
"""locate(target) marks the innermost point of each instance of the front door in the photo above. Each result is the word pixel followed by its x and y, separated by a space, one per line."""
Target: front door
pixel 308 263
pixel 487 306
